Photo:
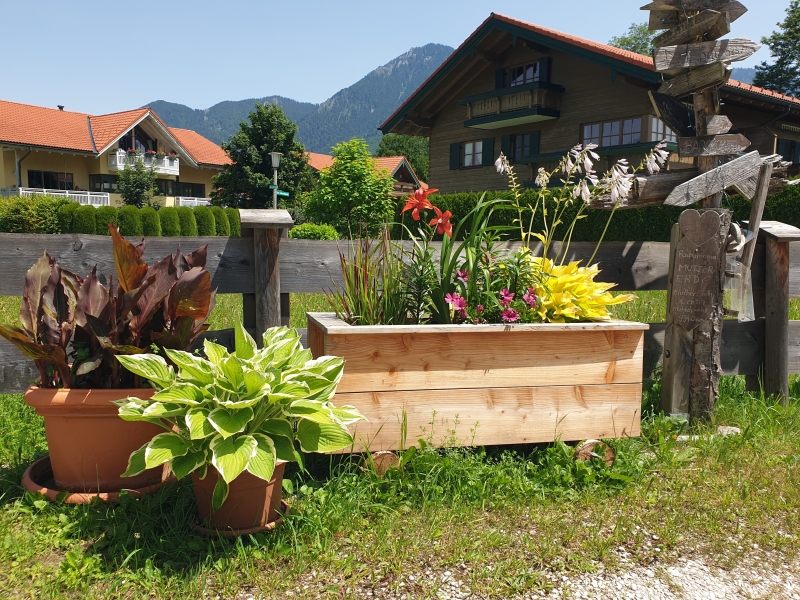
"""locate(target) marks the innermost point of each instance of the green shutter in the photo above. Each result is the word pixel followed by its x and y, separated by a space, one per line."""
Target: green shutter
pixel 488 152
pixel 797 153
pixel 455 156
pixel 535 137
pixel 499 79
pixel 544 69
pixel 785 149
pixel 505 145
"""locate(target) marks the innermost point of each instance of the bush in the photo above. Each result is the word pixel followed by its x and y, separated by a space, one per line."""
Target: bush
pixel 106 215
pixel 130 221
pixel 312 231
pixel 170 223
pixel 235 221
pixel 223 227
pixel 36 214
pixel 187 221
pixel 205 221
pixel 151 224
pixel 65 214
pixel 85 220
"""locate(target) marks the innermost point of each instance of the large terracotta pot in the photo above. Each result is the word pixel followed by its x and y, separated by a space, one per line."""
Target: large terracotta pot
pixel 88 442
pixel 252 503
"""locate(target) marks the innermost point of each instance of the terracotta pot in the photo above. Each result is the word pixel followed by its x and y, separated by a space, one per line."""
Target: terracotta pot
pixel 252 503
pixel 89 444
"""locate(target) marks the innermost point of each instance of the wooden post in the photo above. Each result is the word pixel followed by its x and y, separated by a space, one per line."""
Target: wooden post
pixel 267 226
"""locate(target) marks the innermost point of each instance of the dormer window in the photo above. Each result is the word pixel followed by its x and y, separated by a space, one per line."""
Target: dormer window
pixel 524 74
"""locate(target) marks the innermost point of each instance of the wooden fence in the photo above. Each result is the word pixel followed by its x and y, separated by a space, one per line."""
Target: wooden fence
pixel 249 265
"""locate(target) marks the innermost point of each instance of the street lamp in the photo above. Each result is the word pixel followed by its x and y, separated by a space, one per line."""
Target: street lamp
pixel 275 157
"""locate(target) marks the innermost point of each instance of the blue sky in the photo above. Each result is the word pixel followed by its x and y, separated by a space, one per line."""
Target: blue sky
pixel 115 55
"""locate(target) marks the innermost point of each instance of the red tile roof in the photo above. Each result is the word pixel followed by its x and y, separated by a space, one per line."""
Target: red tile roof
pixel 633 58
pixel 390 163
pixel 45 127
pixel 319 161
pixel 107 128
pixel 203 150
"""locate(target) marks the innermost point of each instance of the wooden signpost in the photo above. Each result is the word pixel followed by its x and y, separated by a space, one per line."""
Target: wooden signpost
pixel 733 8
pixel 675 114
pixel 715 181
pixel 689 29
pixel 718 124
pixel 712 145
pixel 701 78
pixel 672 58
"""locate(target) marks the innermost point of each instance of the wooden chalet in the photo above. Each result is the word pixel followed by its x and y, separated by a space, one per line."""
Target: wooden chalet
pixel 405 179
pixel 534 93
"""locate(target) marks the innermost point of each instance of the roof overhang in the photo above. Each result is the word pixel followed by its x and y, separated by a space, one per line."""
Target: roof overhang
pixel 8 146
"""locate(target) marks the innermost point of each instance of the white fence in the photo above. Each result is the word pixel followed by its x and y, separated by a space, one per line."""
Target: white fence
pixel 188 201
pixel 81 197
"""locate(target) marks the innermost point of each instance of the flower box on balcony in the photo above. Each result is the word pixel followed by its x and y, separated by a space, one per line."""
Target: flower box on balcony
pixel 486 384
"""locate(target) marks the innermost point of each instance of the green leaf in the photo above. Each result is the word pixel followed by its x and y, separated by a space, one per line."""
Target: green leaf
pixel 329 367
pixel 230 456
pixel 245 344
pixel 192 367
pixel 347 415
pixel 313 410
pixel 215 353
pixel 291 390
pixel 180 392
pixel 197 423
pixel 132 409
pixel 262 463
pixel 220 494
pixel 321 437
pixel 232 369
pixel 255 381
pixel 284 449
pixel 151 367
pixel 136 462
pixel 164 447
pixel 184 465
pixel 163 410
pixel 229 421
pixel 278 427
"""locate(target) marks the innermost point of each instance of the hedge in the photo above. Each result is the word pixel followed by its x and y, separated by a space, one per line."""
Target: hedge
pixel 187 221
pixel 170 224
pixel 130 221
pixel 205 221
pixel 35 214
pixel 223 226
pixel 106 215
pixel 313 231
pixel 235 221
pixel 151 223
pixel 65 213
pixel 85 220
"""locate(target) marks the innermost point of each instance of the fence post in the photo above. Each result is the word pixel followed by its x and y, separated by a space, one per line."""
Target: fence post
pixel 267 226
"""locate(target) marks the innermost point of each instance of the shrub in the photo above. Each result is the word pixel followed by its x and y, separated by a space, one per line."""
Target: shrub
pixel 235 221
pixel 130 221
pixel 170 224
pixel 312 231
pixel 205 221
pixel 187 221
pixel 36 214
pixel 221 222
pixel 85 220
pixel 106 215
pixel 136 183
pixel 151 224
pixel 65 214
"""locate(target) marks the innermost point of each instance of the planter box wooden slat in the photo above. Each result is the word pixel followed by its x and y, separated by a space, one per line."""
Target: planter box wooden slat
pixel 487 384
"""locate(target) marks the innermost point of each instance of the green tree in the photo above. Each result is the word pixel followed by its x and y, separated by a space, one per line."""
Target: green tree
pixel 136 183
pixel 245 183
pixel 413 147
pixel 637 39
pixel 351 195
pixel 783 75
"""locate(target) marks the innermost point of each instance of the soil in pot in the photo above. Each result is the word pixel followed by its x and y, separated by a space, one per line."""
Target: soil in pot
pixel 252 503
pixel 89 443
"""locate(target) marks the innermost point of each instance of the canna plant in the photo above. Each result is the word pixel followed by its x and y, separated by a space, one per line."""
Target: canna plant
pixel 238 412
pixel 73 328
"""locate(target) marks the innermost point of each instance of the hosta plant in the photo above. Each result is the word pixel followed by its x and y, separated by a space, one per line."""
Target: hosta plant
pixel 238 411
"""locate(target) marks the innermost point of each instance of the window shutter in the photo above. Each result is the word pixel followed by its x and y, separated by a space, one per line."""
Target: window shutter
pixel 488 152
pixel 505 145
pixel 797 153
pixel 499 79
pixel 455 156
pixel 544 69
pixel 535 137
pixel 785 149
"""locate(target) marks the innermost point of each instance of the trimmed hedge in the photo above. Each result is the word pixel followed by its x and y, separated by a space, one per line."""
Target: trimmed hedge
pixel 35 214
pixel 170 224
pixel 187 221
pixel 205 221
pixel 65 214
pixel 151 223
pixel 130 221
pixel 313 231
pixel 235 221
pixel 85 220
pixel 221 222
pixel 106 215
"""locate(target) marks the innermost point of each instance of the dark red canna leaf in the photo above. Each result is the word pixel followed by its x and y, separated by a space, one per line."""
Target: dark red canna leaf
pixel 94 300
pixel 35 282
pixel 191 295
pixel 47 354
pixel 131 267
pixel 165 275
pixel 198 257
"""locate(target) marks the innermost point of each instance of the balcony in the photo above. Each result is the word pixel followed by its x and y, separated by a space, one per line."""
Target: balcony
pixel 508 107
pixel 81 197
pixel 162 165
pixel 187 201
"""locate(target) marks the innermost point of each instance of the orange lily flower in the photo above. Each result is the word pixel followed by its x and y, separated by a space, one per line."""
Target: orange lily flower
pixel 442 222
pixel 419 201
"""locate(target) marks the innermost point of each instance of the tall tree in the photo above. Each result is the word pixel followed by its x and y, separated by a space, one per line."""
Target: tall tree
pixel 245 183
pixel 136 182
pixel 413 147
pixel 637 39
pixel 783 75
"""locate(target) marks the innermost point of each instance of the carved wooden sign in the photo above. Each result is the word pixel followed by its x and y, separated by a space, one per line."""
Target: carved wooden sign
pixel 712 145
pixel 716 180
pixel 696 273
pixel 675 114
pixel 671 58
pixel 713 75
pixel 718 124
pixel 688 29
pixel 674 7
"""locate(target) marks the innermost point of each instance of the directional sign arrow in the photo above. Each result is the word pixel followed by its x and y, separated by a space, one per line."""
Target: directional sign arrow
pixel 283 194
pixel 712 145
pixel 715 181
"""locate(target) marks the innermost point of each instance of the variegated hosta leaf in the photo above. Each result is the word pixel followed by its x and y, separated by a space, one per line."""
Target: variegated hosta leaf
pixel 329 367
pixel 180 393
pixel 197 422
pixel 245 344
pixel 150 366
pixel 280 427
pixel 132 409
pixel 189 462
pixel 163 448
pixel 285 450
pixel 346 414
pixel 262 463
pixel 215 353
pixel 255 381
pixel 220 494
pixel 136 463
pixel 163 410
pixel 192 367
pixel 241 402
pixel 322 437
pixel 229 421
pixel 300 358
pixel 312 410
pixel 230 456
pixel 232 369
pixel 291 390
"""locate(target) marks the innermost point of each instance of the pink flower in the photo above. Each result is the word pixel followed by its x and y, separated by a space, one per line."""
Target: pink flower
pixel 479 308
pixel 458 303
pixel 462 275
pixel 530 298
pixel 510 315
pixel 506 297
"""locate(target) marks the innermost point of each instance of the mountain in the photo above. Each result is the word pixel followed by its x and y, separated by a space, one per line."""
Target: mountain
pixel 355 111
pixel 743 75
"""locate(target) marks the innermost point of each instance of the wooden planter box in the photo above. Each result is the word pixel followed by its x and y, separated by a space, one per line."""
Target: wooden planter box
pixel 461 385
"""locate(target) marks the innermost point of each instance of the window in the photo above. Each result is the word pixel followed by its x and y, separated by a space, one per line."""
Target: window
pixel 613 133
pixel 103 183
pixel 520 146
pixel 659 131
pixel 50 180
pixel 195 190
pixel 610 134
pixel 591 134
pixel 522 74
pixel 632 131
pixel 472 154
